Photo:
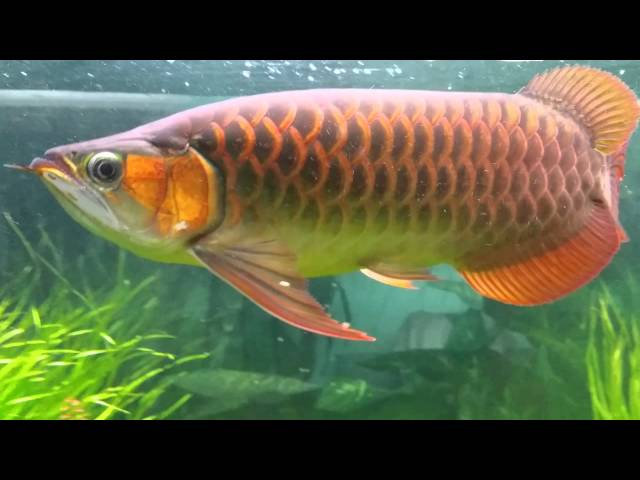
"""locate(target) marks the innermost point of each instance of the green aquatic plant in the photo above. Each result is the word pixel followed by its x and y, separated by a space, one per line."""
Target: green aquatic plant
pixel 70 351
pixel 613 358
pixel 100 360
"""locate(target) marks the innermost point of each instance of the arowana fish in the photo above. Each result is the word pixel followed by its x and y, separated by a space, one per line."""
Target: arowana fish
pixel 519 192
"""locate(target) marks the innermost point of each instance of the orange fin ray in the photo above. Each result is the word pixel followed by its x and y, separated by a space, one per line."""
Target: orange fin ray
pixel 542 278
pixel 399 277
pixel 606 107
pixel 266 274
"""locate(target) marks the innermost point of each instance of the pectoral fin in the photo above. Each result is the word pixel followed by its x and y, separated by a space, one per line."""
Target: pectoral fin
pixel 266 273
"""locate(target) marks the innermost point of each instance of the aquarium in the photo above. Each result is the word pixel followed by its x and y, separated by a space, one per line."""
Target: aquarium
pixel 91 330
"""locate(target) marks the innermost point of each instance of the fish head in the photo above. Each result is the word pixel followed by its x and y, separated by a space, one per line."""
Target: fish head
pixel 147 198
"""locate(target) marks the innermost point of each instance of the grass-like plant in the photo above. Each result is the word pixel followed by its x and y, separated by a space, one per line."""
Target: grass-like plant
pixel 84 353
pixel 613 357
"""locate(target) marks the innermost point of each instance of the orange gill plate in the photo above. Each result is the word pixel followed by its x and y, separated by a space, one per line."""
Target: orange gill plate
pixel 178 192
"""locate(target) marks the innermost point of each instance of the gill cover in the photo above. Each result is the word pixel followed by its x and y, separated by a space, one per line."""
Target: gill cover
pixel 183 194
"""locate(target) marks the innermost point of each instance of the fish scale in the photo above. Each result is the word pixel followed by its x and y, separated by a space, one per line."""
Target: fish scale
pixel 471 170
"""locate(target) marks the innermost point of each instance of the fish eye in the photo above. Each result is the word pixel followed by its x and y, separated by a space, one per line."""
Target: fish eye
pixel 105 168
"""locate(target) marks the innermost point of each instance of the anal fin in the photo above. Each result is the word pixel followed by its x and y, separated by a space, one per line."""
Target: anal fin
pixel 544 277
pixel 397 276
pixel 266 273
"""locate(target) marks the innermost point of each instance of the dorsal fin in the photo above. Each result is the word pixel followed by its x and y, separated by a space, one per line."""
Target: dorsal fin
pixel 599 101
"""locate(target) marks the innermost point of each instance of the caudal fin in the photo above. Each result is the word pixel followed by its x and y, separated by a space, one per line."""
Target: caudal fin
pixel 599 101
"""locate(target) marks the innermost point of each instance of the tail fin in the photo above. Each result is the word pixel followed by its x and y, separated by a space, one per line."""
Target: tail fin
pixel 606 107
pixel 600 102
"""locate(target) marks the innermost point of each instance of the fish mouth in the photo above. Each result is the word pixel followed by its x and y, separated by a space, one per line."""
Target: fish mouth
pixel 53 165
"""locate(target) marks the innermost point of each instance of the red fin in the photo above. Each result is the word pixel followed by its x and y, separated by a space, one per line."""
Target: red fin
pixel 597 100
pixel 265 272
pixel 624 238
pixel 400 277
pixel 546 277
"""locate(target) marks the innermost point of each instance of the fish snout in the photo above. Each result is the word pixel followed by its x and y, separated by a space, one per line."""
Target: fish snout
pixel 51 162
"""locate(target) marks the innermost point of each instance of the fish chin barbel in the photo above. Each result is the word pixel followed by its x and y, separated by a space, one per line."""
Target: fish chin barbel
pixel 519 192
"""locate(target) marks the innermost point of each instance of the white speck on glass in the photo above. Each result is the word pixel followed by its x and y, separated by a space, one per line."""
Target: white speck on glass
pixel 312 67
pixel 246 73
